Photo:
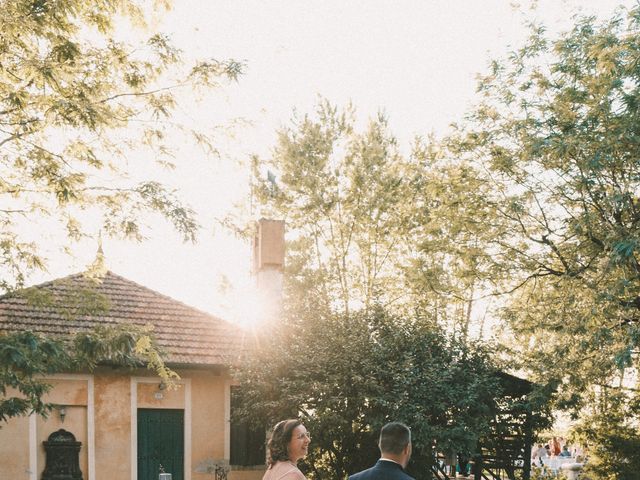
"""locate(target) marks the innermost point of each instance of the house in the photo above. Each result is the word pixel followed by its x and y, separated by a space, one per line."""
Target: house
pixel 126 421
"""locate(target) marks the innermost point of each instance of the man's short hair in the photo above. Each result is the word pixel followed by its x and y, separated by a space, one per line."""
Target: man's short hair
pixel 394 438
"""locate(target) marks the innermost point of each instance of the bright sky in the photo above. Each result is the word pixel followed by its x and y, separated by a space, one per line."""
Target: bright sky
pixel 417 60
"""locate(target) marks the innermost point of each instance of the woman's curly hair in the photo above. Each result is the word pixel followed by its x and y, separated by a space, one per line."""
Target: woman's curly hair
pixel 278 444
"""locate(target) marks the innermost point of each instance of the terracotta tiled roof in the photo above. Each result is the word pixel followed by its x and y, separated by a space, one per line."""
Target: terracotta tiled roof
pixel 188 336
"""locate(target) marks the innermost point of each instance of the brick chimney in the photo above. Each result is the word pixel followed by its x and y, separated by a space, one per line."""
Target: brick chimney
pixel 268 265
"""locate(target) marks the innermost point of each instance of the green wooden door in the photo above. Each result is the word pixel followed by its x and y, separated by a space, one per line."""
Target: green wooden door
pixel 160 442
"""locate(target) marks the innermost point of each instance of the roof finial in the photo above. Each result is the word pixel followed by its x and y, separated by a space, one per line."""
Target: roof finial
pixel 98 268
pixel 100 253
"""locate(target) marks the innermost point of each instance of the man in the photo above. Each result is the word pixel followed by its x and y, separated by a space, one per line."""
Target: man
pixel 539 453
pixel 395 450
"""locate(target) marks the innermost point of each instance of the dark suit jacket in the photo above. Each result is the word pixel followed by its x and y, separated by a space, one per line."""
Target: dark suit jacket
pixel 382 470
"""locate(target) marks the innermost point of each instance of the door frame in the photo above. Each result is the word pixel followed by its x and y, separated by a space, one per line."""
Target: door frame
pixel 186 382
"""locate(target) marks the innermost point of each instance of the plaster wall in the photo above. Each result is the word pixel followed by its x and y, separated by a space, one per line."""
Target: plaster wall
pixel 22 454
pixel 203 394
pixel 67 392
pixel 72 395
pixel 14 448
pixel 75 421
pixel 208 429
pixel 149 395
pixel 112 425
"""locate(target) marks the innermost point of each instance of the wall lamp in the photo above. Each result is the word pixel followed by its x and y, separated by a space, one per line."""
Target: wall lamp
pixel 159 395
pixel 62 412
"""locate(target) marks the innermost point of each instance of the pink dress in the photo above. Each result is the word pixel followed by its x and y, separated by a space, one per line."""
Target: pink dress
pixel 283 471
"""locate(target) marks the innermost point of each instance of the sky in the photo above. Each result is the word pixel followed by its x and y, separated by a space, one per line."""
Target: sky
pixel 415 60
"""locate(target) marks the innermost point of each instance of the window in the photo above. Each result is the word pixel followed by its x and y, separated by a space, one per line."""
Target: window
pixel 247 442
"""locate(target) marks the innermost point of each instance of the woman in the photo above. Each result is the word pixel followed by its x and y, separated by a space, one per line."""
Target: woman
pixel 554 444
pixel 289 443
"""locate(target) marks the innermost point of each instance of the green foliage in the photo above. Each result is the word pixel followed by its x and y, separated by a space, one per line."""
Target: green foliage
pixel 80 109
pixel 369 225
pixel 344 195
pixel 27 358
pixel 615 440
pixel 453 228
pixel 348 376
pixel 538 473
pixel 383 258
pixel 552 148
pixel 615 452
pixel 532 200
pixel 24 357
pixel 555 136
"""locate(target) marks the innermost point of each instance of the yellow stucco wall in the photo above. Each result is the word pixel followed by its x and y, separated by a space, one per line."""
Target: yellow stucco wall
pixel 14 447
pixel 151 395
pixel 202 392
pixel 75 421
pixel 73 395
pixel 208 403
pixel 112 425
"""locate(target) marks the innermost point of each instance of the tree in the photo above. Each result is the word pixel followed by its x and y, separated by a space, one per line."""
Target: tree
pixel 552 147
pixel 358 344
pixel 347 377
pixel 372 226
pixel 26 358
pixel 343 195
pixel 614 441
pixel 78 108
pixel 453 264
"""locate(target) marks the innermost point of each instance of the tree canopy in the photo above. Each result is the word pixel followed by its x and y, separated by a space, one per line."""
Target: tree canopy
pixel 360 342
pixel 553 147
pixel 26 358
pixel 345 377
pixel 80 108
pixel 342 193
pixel 530 202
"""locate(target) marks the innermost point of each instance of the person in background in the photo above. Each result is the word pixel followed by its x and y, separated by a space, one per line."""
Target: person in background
pixel 450 461
pixel 565 451
pixel 463 464
pixel 539 453
pixel 554 444
pixel 395 452
pixel 289 442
